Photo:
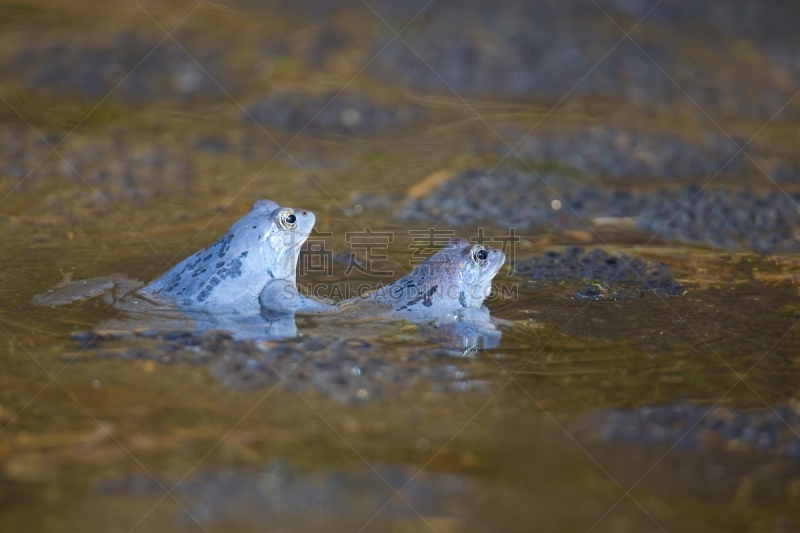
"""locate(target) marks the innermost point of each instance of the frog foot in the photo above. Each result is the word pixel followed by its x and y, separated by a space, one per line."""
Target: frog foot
pixel 282 297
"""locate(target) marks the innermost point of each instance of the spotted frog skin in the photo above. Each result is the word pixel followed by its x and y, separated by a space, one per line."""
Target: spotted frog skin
pixel 259 250
pixel 443 296
pixel 261 247
pixel 456 278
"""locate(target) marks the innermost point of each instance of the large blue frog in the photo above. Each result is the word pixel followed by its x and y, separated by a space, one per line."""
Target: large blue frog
pixel 256 258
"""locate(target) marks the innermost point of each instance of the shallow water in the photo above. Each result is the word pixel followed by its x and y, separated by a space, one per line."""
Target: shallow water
pixel 360 425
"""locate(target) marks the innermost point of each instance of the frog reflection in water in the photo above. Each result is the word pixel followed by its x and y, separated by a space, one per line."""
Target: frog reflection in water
pixel 256 257
pixel 444 296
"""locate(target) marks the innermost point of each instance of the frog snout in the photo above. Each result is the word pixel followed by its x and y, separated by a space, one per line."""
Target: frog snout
pixel 306 217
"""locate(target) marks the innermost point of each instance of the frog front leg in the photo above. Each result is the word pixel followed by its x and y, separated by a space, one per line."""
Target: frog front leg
pixel 282 297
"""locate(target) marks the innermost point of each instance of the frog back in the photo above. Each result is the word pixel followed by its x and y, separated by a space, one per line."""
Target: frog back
pixel 231 271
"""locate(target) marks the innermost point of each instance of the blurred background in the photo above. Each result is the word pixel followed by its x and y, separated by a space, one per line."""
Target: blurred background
pixel 645 153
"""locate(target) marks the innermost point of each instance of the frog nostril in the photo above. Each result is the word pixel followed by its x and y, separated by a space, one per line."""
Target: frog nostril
pixel 305 213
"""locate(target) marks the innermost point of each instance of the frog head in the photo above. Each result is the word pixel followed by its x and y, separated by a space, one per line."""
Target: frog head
pixel 262 246
pixel 459 276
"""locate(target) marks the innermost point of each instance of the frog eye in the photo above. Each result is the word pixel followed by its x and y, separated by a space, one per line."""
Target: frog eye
pixel 287 220
pixel 479 254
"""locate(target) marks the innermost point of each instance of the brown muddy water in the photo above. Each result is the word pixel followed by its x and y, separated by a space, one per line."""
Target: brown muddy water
pixel 125 150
